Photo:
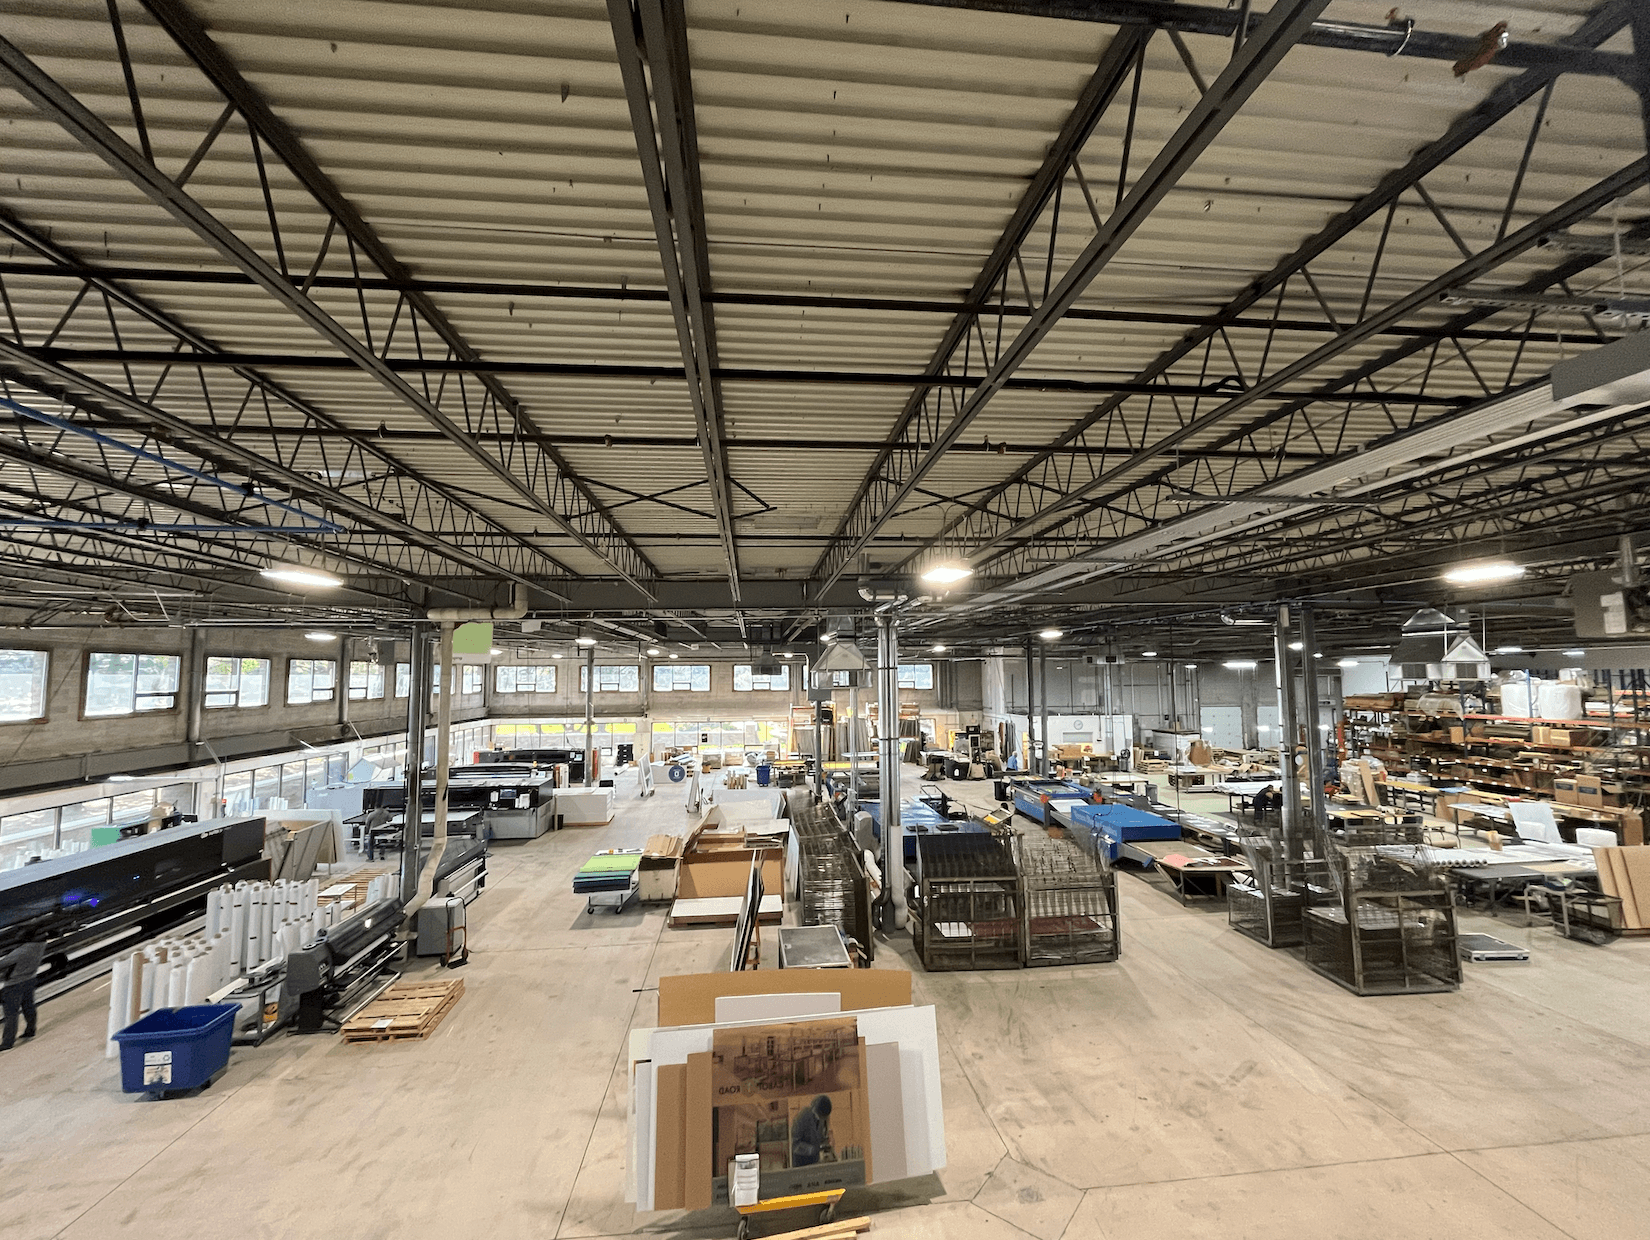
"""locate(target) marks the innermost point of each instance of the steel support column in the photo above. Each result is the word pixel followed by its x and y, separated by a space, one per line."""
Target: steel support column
pixel 1313 712
pixel 893 838
pixel 418 718
pixel 1289 779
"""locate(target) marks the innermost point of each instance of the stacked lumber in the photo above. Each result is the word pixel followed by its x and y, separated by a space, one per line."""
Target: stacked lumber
pixel 351 889
pixel 841 1229
pixel 406 1012
pixel 1625 873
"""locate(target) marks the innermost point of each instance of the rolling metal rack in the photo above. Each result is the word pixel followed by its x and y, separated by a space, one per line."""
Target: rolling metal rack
pixel 835 890
pixel 1269 906
pixel 1068 901
pixel 968 908
pixel 1387 923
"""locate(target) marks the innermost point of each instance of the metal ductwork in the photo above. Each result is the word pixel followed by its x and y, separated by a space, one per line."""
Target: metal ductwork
pixel 459 615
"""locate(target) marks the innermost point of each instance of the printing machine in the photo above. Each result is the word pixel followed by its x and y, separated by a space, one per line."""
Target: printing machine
pixel 344 968
pixel 932 813
pixel 517 804
pixel 93 904
pixel 542 759
pixel 1032 796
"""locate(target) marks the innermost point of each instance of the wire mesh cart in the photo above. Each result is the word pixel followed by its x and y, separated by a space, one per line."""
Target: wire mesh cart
pixel 1268 904
pixel 967 910
pixel 1069 903
pixel 1386 925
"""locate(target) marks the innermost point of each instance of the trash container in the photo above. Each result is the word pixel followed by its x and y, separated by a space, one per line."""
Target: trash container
pixel 174 1049
pixel 764 774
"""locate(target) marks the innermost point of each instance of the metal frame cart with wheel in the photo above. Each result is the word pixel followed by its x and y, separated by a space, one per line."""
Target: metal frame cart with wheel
pixel 825 1201
pixel 608 879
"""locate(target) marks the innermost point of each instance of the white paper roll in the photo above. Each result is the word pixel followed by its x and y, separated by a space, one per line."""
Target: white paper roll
pixel 175 984
pixel 194 983
pixel 214 902
pixel 237 927
pixel 266 931
pixel 120 998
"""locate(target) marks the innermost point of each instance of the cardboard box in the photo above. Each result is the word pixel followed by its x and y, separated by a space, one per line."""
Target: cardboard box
pixel 1589 791
pixel 1458 736
pixel 706 876
pixel 656 872
pixel 1564 792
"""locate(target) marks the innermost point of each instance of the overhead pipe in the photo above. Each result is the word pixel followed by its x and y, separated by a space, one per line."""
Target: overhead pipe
pixel 459 615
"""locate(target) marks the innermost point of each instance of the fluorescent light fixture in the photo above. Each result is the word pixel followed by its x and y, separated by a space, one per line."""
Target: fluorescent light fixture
pixel 1052 635
pixel 294 576
pixel 1575 654
pixel 582 640
pixel 938 648
pixel 1479 574
pixel 1148 654
pixel 495 650
pixel 1190 667
pixel 320 635
pixel 1318 655
pixel 1240 665
pixel 118 779
pixel 947 574
pixel 555 654
pixel 784 654
pixel 1509 650
pixel 1297 645
pixel 1349 663
pixel 653 652
pixel 674 655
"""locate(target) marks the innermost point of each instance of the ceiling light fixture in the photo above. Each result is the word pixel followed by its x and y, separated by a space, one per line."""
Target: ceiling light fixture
pixel 1479 574
pixel 1297 645
pixel 294 576
pixel 1148 654
pixel 1509 650
pixel 1240 665
pixel 1348 663
pixel 1190 667
pixel 320 635
pixel 555 654
pixel 1575 654
pixel 674 655
pixel 1052 635
pixel 584 640
pixel 653 652
pixel 938 648
pixel 947 574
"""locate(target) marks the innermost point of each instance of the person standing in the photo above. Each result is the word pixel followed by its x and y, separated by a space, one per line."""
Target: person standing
pixel 19 973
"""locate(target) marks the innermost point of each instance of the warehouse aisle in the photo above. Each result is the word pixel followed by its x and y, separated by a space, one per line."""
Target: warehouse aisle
pixel 1202 1086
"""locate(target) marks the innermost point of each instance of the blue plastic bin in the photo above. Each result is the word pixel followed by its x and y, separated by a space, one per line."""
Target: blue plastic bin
pixel 764 775
pixel 176 1048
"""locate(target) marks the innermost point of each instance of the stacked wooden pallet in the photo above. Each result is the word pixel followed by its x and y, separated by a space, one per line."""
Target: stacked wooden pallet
pixel 843 1229
pixel 407 1011
pixel 351 889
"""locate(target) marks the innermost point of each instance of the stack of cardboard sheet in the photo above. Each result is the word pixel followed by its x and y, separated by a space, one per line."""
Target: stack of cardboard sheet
pixel 1625 872
pixel 656 875
pixel 831 1077
pixel 715 869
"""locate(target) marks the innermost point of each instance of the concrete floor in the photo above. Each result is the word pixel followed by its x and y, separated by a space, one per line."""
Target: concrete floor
pixel 1203 1086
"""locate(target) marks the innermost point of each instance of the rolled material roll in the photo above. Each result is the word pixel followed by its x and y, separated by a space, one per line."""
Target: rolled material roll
pixel 176 978
pixel 266 931
pixel 196 973
pixel 214 905
pixel 237 927
pixel 120 999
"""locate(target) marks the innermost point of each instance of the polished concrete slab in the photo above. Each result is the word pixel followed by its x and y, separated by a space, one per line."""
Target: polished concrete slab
pixel 1202 1086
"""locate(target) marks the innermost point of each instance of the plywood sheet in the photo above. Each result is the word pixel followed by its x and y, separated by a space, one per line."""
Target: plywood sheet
pixel 690 998
pixel 697 1144
pixel 1636 861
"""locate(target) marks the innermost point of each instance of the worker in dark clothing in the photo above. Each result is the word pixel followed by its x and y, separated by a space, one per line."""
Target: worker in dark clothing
pixel 1267 800
pixel 376 821
pixel 811 1132
pixel 19 971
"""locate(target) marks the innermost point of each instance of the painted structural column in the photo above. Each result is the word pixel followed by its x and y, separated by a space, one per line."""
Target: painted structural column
pixel 1313 712
pixel 590 717
pixel 893 838
pixel 418 714
pixel 194 688
pixel 1043 765
pixel 1289 780
pixel 1031 707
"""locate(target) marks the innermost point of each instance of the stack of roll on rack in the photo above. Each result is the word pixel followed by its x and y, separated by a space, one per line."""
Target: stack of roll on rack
pixel 246 926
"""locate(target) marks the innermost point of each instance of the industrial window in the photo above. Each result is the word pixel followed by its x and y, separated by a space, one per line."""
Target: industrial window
pixel 516 679
pixel 744 682
pixel 124 684
pixel 31 834
pixel 620 678
pixel 916 675
pixel 309 680
pixel 22 685
pixel 366 681
pixel 472 678
pixel 403 679
pixel 681 678
pixel 232 680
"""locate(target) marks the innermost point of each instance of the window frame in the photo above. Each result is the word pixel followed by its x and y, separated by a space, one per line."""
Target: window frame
pixel 516 669
pixel 751 678
pixel 269 677
pixel 584 677
pixel 176 692
pixel 465 678
pixel 312 700
pixel 689 668
pixel 913 686
pixel 403 670
pixel 366 694
pixel 45 682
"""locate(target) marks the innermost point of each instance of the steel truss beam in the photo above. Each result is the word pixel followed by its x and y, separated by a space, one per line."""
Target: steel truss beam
pixel 536 474
pixel 1003 514
pixel 1398 37
pixel 396 487
pixel 721 374
pixel 651 40
pixel 1248 68
pixel 575 292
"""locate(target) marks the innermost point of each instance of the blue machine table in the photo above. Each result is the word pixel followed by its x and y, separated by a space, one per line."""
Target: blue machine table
pixel 1032 796
pixel 920 816
pixel 1113 828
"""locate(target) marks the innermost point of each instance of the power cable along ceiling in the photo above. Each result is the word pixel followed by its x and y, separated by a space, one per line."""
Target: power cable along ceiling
pixel 863 209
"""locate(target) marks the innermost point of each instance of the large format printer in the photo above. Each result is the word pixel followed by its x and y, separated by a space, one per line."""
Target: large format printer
pixel 538 759
pixel 512 804
pixel 94 904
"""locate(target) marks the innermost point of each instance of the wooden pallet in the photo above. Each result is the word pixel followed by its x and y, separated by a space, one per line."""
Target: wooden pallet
pixel 357 881
pixel 406 1012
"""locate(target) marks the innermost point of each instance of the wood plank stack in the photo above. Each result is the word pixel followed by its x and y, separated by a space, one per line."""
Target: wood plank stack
pixel 839 1229
pixel 1625 873
pixel 407 1011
